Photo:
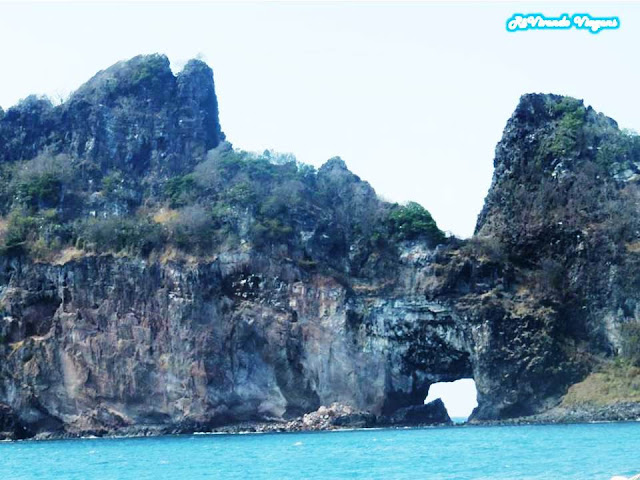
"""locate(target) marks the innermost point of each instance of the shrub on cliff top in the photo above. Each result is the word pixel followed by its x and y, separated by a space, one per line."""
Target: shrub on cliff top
pixel 193 229
pixel 148 69
pixel 39 182
pixel 20 227
pixel 118 234
pixel 39 234
pixel 412 221
pixel 181 190
pixel 565 105
pixel 568 134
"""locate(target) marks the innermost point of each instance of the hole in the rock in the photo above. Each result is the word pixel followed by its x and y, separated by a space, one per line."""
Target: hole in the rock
pixel 460 397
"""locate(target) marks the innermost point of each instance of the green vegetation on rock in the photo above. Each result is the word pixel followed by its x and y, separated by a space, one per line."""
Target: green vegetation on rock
pixel 230 198
pixel 568 133
pixel 137 236
pixel 412 221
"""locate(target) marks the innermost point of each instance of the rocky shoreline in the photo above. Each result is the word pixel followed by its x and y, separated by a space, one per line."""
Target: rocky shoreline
pixel 333 417
pixel 619 412
pixel 338 417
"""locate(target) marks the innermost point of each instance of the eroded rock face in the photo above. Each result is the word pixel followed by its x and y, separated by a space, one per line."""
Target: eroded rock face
pixel 559 227
pixel 106 343
pixel 137 343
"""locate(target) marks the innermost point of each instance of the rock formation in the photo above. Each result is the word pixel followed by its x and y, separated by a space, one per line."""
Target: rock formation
pixel 170 283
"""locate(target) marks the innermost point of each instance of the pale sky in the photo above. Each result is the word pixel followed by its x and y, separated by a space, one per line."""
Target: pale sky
pixel 460 397
pixel 412 96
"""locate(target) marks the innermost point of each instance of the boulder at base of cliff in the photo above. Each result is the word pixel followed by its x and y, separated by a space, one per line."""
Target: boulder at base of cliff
pixel 335 415
pixel 432 413
pixel 355 420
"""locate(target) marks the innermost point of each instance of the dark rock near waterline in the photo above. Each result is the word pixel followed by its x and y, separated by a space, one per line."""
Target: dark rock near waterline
pixel 432 413
pixel 616 412
pixel 10 425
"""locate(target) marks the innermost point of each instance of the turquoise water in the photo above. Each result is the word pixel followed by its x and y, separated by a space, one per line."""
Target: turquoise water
pixel 517 453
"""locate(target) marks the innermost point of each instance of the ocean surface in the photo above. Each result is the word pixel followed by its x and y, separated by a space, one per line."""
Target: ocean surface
pixel 584 452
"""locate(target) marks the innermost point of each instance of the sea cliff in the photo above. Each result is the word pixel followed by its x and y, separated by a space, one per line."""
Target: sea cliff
pixel 154 279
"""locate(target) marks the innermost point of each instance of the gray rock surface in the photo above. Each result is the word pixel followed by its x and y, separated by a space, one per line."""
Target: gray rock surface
pixel 102 343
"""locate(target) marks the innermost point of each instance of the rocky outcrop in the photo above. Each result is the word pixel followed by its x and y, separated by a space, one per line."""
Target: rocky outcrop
pixel 561 220
pixel 329 299
pixel 331 417
pixel 614 412
pixel 136 117
pixel 432 413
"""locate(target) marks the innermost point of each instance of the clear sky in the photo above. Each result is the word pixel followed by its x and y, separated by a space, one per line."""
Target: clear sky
pixel 413 96
pixel 460 397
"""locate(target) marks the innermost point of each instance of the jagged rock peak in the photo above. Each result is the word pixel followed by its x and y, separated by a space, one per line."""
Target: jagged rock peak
pixel 535 109
pixel 143 72
pixel 336 168
pixel 133 116
pixel 334 163
pixel 343 182
pixel 549 140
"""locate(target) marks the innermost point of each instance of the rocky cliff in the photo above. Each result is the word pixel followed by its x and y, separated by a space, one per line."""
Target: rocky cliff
pixel 561 215
pixel 155 279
